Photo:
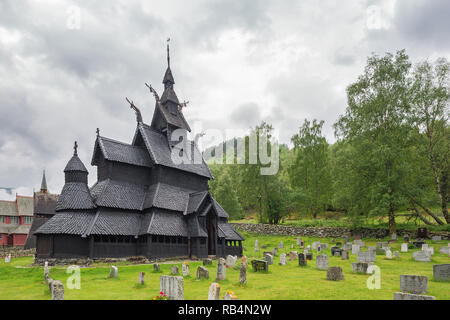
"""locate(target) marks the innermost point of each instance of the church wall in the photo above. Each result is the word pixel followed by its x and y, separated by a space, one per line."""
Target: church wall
pixel 179 178
pixel 129 173
pixel 68 246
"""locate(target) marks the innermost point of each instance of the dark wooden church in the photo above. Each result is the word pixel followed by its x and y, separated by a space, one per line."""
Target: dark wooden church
pixel 144 203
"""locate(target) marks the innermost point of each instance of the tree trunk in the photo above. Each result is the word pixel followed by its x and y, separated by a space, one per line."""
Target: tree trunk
pixel 418 214
pixel 444 193
pixel 391 221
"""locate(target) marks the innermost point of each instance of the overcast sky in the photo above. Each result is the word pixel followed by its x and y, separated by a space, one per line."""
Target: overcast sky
pixel 67 66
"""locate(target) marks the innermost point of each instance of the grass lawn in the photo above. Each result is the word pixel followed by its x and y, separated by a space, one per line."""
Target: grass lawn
pixel 20 281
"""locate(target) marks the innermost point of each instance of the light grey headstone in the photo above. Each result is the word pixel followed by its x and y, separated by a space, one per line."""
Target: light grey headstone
pixel 202 273
pixel 46 271
pixel 172 287
pixel 293 255
pixel 413 284
pixel 221 270
pixel 207 262
pixel 174 270
pixel 355 248
pixel 229 296
pixel 422 256
pixel 256 245
pixel 214 291
pixel 324 246
pixel 404 247
pixel 444 250
pixel 156 267
pixel 347 247
pixel 322 262
pixel 113 272
pixel 424 246
pixel 269 258
pixel 388 254
pixel 410 296
pixel 185 269
pixel 283 259
pixel 436 238
pixel 396 254
pixel 141 279
pixel 366 256
pixel 281 245
pixel 315 244
pixel 345 255
pixel 298 241
pixel 441 272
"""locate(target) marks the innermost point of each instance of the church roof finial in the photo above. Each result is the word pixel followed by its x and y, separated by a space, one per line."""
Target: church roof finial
pixel 75 149
pixel 168 53
pixel 136 110
pixel 44 183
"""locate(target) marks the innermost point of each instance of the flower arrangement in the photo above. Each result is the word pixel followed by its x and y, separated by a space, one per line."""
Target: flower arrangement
pixel 161 296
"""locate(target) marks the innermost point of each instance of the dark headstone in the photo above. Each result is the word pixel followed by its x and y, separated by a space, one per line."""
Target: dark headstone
pixel 302 260
pixel 422 233
pixel 335 274
pixel 309 256
pixel 441 272
pixel 260 265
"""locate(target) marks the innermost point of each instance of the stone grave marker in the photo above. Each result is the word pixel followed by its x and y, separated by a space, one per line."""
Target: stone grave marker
pixel 302 260
pixel 424 246
pixel 174 270
pixel 207 262
pixel 185 269
pixel 172 287
pixel 335 274
pixel 436 238
pixel 396 254
pixel 319 249
pixel 444 250
pixel 404 247
pixel 229 296
pixel 269 258
pixel 298 241
pixel 388 254
pixel 345 254
pixel 256 245
pixel 244 260
pixel 347 246
pixel 422 256
pixel 315 244
pixel 202 273
pixel 57 290
pixel 302 244
pixel 322 262
pixel 366 256
pixel 214 291
pixel 274 251
pixel 309 256
pixel 360 267
pixel 46 271
pixel 243 274
pixel 113 272
pixel 141 279
pixel 281 245
pixel 221 270
pixel 293 255
pixel 355 248
pixel 231 260
pixel 260 265
pixel 413 284
pixel 156 267
pixel 283 259
pixel 410 296
pixel 441 272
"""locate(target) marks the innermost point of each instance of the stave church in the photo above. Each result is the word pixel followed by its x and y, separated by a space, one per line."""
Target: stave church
pixel 146 202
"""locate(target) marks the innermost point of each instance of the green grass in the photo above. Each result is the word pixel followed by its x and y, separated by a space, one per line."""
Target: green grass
pixel 20 281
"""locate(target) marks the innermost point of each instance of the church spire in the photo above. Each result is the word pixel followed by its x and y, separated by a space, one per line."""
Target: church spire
pixel 44 184
pixel 168 77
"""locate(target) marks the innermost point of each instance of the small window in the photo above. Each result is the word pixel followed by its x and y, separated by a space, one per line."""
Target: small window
pixel 14 220
pixel 202 241
pixel 2 220
pixel 27 220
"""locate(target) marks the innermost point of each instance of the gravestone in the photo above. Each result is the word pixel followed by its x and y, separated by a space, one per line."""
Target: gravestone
pixel 410 296
pixel 422 256
pixel 302 260
pixel 382 244
pixel 256 245
pixel 269 258
pixel 202 273
pixel 388 254
pixel 346 239
pixel 431 250
pixel 345 254
pixel 338 243
pixel 324 246
pixel 436 238
pixel 214 291
pixel 172 287
pixel 322 262
pixel 274 251
pixel 283 259
pixel 298 241
pixel 260 265
pixel 406 238
pixel 220 270
pixel 396 254
pixel 185 269
pixel 422 233
pixel 292 246
pixel 243 274
pixel 418 243
pixel 156 267
pixel 394 236
pixel 444 250
pixel 281 245
pixel 335 274
pixel 360 267
pixel 207 262
pixel 337 253
pixel 347 246
pixel 267 252
pixel 441 272
pixel 174 270
pixel 334 249
pixel 229 296
pixel 424 246
pixel 46 271
pixel 413 284
pixel 309 256
pixel 381 251
pixel 366 256
pixel 315 244
pixel 404 247
pixel 302 244
pixel 141 279
pixel 293 255
pixel 57 290
pixel 113 272
pixel 355 248
pixel 8 259
pixel 244 260
pixel 231 260
pixel 319 249
pixel 372 248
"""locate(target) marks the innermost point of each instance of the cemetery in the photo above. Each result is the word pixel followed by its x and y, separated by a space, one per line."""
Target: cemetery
pixel 281 274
